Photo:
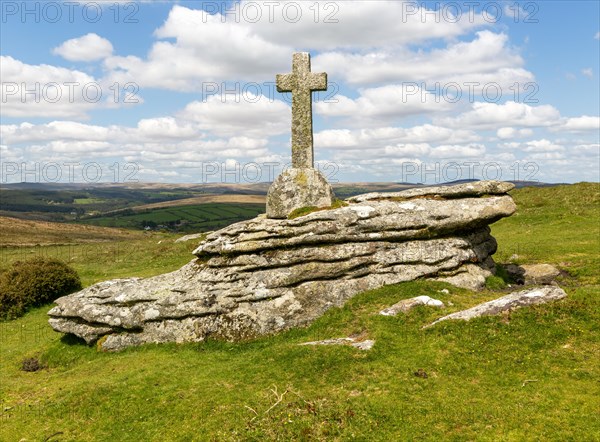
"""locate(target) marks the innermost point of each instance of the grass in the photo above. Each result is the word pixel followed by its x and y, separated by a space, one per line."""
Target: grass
pixel 528 375
pixel 145 255
pixel 16 232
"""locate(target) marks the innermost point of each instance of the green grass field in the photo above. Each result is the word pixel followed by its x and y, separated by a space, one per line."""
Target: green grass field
pixel 528 375
pixel 196 218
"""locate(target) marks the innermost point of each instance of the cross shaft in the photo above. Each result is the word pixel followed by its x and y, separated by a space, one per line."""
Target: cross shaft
pixel 301 83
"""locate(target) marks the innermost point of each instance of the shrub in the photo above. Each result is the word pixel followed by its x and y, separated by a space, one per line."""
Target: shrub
pixel 35 282
pixel 31 364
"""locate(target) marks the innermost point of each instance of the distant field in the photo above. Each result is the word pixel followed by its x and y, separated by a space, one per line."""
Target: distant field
pixel 238 199
pixel 192 218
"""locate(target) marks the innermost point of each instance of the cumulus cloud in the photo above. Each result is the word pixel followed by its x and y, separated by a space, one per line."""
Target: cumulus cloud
pixel 485 59
pixel 361 139
pixel 495 116
pixel 194 58
pixel 588 72
pixel 382 103
pixel 257 41
pixel 458 151
pixel 46 91
pixel 505 133
pixel 89 47
pixel 348 24
pixel 542 145
pixel 237 115
pixel 580 124
pixel 156 147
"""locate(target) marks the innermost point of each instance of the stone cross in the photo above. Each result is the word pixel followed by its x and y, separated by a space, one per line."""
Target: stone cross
pixel 301 83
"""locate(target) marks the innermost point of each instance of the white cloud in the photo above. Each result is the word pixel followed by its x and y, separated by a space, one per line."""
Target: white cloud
pixel 194 58
pixel 458 151
pixel 484 60
pixel 47 91
pixel 542 145
pixel 166 128
pixel 580 124
pixel 494 116
pixel 588 72
pixel 362 139
pixel 506 133
pixel 235 115
pixel 90 47
pixel 382 103
pixel 597 36
pixel 259 38
pixel 349 24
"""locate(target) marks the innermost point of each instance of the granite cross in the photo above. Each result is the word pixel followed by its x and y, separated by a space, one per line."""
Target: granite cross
pixel 301 83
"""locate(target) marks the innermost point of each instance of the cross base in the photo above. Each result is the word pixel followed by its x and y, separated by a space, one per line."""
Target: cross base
pixel 296 188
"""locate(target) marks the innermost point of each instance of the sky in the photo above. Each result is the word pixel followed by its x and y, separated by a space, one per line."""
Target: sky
pixel 184 91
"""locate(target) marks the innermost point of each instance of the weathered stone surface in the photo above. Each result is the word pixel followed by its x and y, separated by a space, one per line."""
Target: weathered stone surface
pixel 465 190
pixel 185 238
pixel 539 273
pixel 302 185
pixel 297 188
pixel 532 273
pixel 540 295
pixel 301 83
pixel 265 275
pixel 367 344
pixel 407 304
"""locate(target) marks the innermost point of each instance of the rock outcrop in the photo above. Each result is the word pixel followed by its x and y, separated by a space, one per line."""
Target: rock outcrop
pixel 265 275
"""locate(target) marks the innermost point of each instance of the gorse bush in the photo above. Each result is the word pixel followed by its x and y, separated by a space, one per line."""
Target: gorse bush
pixel 34 282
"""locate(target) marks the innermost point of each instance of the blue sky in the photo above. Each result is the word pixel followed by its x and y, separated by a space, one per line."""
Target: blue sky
pixel 527 73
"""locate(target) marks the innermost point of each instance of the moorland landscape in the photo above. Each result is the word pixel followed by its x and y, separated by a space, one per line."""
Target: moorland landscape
pixel 531 371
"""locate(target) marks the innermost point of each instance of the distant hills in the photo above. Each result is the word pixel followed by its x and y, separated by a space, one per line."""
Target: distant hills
pixel 175 207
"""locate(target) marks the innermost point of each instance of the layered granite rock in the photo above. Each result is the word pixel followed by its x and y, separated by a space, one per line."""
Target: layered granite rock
pixel 265 275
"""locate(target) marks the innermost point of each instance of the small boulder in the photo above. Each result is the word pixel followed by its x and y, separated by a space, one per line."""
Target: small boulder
pixel 539 295
pixel 539 273
pixel 189 237
pixel 367 344
pixel 407 304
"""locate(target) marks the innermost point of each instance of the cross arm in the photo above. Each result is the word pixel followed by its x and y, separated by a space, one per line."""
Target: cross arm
pixel 317 82
pixel 284 82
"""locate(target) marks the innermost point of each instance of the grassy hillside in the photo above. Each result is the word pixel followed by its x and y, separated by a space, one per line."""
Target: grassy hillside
pixel 528 375
pixel 18 232
pixel 97 253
